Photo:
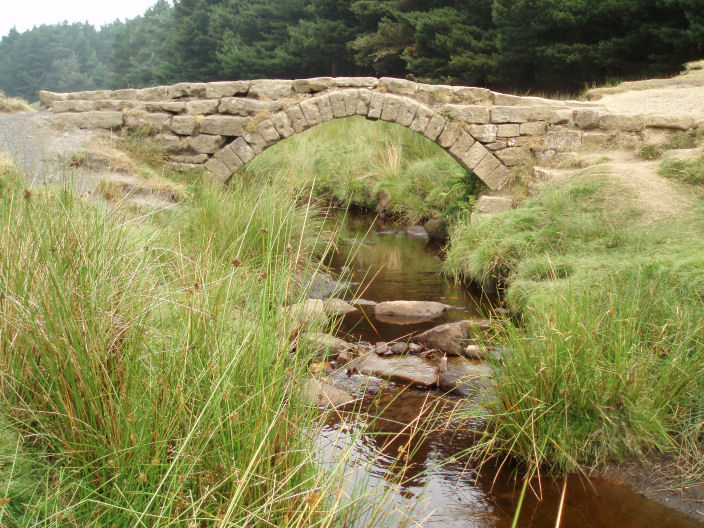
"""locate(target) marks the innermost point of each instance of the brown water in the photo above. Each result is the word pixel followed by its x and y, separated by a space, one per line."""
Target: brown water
pixel 440 486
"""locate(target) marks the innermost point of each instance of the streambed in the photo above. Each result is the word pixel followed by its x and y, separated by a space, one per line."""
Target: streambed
pixel 439 485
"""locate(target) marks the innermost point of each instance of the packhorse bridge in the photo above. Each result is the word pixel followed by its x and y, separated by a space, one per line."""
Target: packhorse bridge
pixel 221 126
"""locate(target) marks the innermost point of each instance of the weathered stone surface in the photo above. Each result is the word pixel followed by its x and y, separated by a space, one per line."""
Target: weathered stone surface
pixel 243 150
pixel 497 145
pixel 283 125
pixel 179 90
pixel 376 104
pixel 267 130
pixel 256 142
pixel 92 119
pixel 247 107
pixel 471 94
pixel 311 112
pixel 438 229
pixel 218 170
pixel 560 117
pixel 323 394
pixel 408 312
pixel 170 143
pixel 173 107
pixel 435 127
pixel 520 114
pixel 407 370
pixel 323 343
pixel 363 100
pixel 392 105
pixel 595 139
pixel 73 106
pixel 450 135
pixel 507 131
pixel 325 107
pixel 475 155
pixel 460 147
pixel 185 167
pixel 467 113
pixel 494 204
pixel 535 128
pixel 216 90
pixel 230 158
pixel 350 97
pixel 497 179
pixel 337 102
pixel 484 133
pixel 297 119
pixel 564 138
pixel 676 122
pixel 586 118
pixel 513 155
pixel 422 119
pixel 270 89
pixel 183 125
pixel 189 158
pixel 623 122
pixel 155 93
pixel 336 306
pixel 222 125
pixel 124 94
pixel 486 166
pixel 306 314
pixel 206 144
pixel 397 86
pixel 433 94
pixel 47 99
pixel 356 82
pixel 207 106
pixel 91 95
pixel 316 84
pixel 139 119
pixel 450 338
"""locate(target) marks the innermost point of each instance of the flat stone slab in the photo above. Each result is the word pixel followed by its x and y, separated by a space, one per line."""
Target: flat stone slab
pixel 409 312
pixel 406 370
pixel 323 394
pixel 326 343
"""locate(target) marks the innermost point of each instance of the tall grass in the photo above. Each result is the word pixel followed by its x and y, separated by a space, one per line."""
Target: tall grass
pixel 13 105
pixel 150 358
pixel 608 359
pixel 370 165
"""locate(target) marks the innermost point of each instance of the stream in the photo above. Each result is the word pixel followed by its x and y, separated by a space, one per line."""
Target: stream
pixel 439 486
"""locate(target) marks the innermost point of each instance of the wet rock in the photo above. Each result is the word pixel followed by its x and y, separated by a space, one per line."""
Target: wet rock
pixel 306 314
pixel 475 352
pixel 465 377
pixel 326 343
pixel 408 370
pixel 323 394
pixel 338 307
pixel 416 231
pixel 364 302
pixel 399 348
pixel 450 338
pixel 437 229
pixel 383 349
pixel 408 312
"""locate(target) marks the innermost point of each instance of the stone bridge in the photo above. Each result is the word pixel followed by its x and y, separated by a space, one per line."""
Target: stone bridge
pixel 222 126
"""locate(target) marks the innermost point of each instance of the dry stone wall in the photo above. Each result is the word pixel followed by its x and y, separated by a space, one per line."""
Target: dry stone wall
pixel 221 126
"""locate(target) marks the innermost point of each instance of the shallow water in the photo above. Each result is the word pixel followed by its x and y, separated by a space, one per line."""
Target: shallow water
pixel 440 486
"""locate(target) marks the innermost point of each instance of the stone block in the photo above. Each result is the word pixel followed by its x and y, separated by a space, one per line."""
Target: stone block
pixel 392 105
pixel 124 94
pixel 311 112
pixel 283 125
pixel 422 119
pixel 513 155
pixel 407 112
pixel 595 139
pixel 376 104
pixel 257 143
pixel 493 204
pixel 497 145
pixel 218 170
pixel 450 135
pixel 355 82
pixel 267 130
pixel 120 104
pixel 467 113
pixel 92 95
pixel 497 179
pixel 536 128
pixel 561 117
pixel 586 118
pixel 185 89
pixel 563 139
pixel 271 89
pixel 461 146
pixel 230 158
pixel 170 143
pixel 484 133
pixel 317 84
pixel 205 143
pixel 221 125
pixel 217 90
pixel 189 158
pixel 526 141
pixel 520 114
pixel 475 155
pixel 337 101
pixel 508 130
pixel 434 94
pixel 88 120
pixel 676 122
pixel 139 119
pixel 623 122
pixel 472 94
pixel 325 107
pixel 73 106
pixel 397 86
pixel 47 99
pixel 435 127
pixel 297 119
pixel 155 93
pixel 486 166
pixel 243 150
pixel 173 107
pixel 205 106
pixel 247 107
pixel 183 125
pixel 363 100
pixel 350 97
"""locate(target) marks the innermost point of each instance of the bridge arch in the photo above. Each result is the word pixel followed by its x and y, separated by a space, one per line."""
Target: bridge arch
pixel 263 132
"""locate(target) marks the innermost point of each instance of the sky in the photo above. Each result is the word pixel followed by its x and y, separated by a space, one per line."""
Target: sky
pixel 24 14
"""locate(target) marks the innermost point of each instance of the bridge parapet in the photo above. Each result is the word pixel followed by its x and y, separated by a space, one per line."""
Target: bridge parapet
pixel 223 125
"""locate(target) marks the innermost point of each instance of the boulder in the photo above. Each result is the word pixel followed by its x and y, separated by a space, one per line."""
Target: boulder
pixel 407 370
pixel 437 229
pixel 364 302
pixel 338 307
pixel 325 342
pixel 451 338
pixel 383 349
pixel 416 231
pixel 306 314
pixel 408 312
pixel 323 394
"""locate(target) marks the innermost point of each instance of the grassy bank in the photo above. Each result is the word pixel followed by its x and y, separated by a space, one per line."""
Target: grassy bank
pixel 608 361
pixel 13 105
pixel 145 360
pixel 373 165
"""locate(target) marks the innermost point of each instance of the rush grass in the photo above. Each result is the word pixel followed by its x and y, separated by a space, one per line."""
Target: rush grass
pixel 607 361
pixel 370 165
pixel 147 360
